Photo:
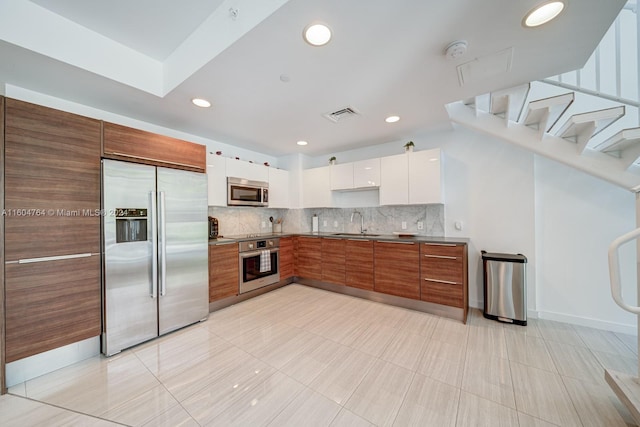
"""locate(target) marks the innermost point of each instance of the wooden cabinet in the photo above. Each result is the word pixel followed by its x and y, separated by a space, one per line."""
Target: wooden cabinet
pixel 359 264
pixel 316 191
pixel 310 258
pixel 51 304
pixel 223 271
pixel 52 201
pixel 333 260
pixel 216 180
pixel 397 268
pixel 134 145
pixel 286 258
pixel 412 178
pixel 247 170
pixel 279 188
pixel 443 268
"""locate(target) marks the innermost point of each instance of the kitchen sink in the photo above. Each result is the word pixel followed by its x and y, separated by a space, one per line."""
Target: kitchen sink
pixel 355 234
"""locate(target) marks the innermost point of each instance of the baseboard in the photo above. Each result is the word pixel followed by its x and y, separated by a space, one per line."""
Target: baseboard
pixel 34 366
pixel 591 323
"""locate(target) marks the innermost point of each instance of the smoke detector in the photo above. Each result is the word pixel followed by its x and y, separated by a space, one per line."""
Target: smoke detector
pixel 456 49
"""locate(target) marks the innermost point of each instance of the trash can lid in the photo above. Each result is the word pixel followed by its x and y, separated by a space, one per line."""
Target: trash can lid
pixel 495 256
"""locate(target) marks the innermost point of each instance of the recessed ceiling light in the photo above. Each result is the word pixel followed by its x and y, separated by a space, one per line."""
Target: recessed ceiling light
pixel 201 102
pixel 317 34
pixel 392 119
pixel 543 13
pixel 302 142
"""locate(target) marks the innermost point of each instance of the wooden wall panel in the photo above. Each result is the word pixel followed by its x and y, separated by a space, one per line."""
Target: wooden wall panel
pixel 52 177
pixel 286 258
pixel 333 260
pixel 310 258
pixel 134 145
pixel 3 382
pixel 397 269
pixel 359 264
pixel 51 304
pixel 223 271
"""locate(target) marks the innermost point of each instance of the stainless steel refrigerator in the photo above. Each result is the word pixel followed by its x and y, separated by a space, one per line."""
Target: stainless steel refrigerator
pixel 155 246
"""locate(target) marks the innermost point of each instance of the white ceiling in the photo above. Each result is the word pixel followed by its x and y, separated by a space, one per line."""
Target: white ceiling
pixel 147 58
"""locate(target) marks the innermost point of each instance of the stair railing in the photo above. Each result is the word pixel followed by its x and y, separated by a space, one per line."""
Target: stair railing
pixel 578 86
pixel 614 270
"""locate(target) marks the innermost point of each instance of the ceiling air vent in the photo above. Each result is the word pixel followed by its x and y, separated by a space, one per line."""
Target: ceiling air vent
pixel 340 114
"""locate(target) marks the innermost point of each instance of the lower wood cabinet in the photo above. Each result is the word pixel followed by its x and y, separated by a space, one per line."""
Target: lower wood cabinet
pixel 223 271
pixel 397 268
pixel 443 269
pixel 359 264
pixel 51 304
pixel 310 257
pixel 333 260
pixel 286 258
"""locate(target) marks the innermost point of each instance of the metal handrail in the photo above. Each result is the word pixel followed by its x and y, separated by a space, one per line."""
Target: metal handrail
pixel 614 270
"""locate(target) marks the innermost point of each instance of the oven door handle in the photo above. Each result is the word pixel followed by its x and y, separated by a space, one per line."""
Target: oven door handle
pixel 258 252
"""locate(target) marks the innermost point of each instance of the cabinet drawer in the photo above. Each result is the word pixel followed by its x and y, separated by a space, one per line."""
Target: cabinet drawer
pixel 451 270
pixel 442 250
pixel 442 293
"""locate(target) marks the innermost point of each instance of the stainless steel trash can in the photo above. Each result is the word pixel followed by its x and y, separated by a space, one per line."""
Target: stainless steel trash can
pixel 505 287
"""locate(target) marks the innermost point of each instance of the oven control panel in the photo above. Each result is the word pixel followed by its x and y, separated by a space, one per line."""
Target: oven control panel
pixel 261 244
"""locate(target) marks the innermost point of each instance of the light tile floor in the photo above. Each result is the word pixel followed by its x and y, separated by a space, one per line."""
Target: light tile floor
pixel 300 356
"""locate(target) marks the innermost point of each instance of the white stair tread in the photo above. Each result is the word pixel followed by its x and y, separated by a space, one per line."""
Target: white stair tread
pixel 627 388
pixel 555 106
pixel 621 141
pixel 601 119
pixel 508 103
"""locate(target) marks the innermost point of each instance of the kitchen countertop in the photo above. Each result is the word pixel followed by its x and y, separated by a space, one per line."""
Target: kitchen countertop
pixel 381 237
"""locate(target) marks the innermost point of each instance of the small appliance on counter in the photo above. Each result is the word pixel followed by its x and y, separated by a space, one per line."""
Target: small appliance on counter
pixel 213 228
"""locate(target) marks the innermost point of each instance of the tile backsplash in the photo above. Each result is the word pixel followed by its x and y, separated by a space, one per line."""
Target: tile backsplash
pixel 378 220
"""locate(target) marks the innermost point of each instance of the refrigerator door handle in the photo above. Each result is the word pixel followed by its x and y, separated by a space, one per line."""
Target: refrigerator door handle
pixel 154 246
pixel 162 230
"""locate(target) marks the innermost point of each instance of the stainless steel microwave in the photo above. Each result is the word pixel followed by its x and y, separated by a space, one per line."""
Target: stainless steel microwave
pixel 242 192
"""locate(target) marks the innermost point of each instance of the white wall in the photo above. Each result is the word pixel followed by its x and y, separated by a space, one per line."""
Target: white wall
pixel 510 200
pixel 577 217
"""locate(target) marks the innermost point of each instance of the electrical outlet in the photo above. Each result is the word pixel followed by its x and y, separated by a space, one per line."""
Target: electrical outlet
pixel 324 223
pixel 420 225
pixel 404 225
pixel 335 223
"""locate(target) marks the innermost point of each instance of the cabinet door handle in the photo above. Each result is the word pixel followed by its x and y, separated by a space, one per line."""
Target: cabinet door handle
pixel 441 244
pixel 396 243
pixel 446 282
pixel 51 258
pixel 222 244
pixel 332 238
pixel 441 256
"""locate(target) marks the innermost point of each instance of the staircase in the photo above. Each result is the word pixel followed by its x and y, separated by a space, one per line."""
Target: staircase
pixel 589 120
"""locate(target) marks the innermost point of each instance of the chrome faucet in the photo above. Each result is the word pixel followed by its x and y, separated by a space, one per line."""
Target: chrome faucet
pixel 362 229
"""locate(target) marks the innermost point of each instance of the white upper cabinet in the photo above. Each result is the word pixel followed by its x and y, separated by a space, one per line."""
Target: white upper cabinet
pixel 366 173
pixel 246 170
pixel 425 177
pixel 341 176
pixel 279 188
pixel 316 188
pixel 412 178
pixel 394 185
pixel 217 180
pixel 356 176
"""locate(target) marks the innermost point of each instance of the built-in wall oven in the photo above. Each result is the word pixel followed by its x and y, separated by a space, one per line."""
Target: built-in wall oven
pixel 259 263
